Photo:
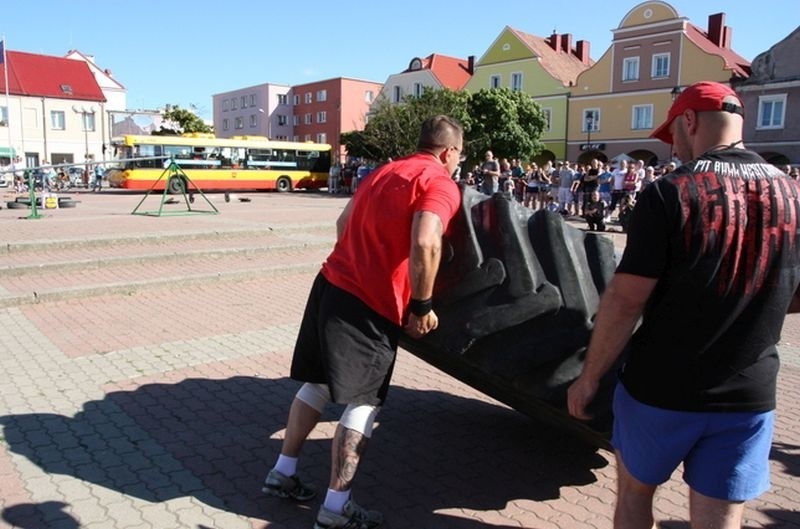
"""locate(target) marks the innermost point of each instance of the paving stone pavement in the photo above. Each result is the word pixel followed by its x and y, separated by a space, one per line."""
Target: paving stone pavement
pixel 145 361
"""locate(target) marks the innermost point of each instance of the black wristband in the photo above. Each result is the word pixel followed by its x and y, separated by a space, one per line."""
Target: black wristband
pixel 420 307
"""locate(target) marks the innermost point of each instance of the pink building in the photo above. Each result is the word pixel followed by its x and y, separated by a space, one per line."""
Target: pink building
pixel 323 110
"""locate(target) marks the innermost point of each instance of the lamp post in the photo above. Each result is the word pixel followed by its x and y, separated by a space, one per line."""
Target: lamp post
pixel 674 93
pixel 84 112
pixel 589 125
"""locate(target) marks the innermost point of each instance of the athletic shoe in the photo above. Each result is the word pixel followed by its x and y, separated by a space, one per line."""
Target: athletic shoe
pixel 353 517
pixel 282 486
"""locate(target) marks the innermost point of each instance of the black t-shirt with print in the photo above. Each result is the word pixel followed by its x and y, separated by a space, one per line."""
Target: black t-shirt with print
pixel 721 236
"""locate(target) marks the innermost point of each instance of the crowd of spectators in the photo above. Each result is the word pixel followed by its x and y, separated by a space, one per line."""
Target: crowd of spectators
pixel 599 192
pixel 593 191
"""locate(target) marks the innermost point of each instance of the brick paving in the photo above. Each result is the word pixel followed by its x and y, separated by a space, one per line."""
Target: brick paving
pixel 154 394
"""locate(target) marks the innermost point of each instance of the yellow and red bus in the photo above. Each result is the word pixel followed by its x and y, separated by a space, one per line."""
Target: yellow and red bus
pixel 241 162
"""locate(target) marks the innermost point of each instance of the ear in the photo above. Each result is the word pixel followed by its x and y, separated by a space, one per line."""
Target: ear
pixel 690 117
pixel 443 156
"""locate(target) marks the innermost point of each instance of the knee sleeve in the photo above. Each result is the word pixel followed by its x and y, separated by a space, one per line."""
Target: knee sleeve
pixel 360 418
pixel 315 395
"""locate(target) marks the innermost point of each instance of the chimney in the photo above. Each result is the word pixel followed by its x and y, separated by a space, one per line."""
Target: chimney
pixel 555 41
pixel 582 51
pixel 727 37
pixel 471 64
pixel 566 42
pixel 716 28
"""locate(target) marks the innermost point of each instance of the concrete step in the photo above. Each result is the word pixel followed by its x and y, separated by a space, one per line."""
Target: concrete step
pixel 95 267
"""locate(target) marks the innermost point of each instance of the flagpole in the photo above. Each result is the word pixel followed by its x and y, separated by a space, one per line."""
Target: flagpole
pixel 8 106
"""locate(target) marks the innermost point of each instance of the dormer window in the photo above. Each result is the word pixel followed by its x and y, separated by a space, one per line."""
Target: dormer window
pixel 67 89
pixel 416 64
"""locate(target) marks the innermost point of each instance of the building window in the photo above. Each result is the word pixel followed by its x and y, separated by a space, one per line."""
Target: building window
pixel 322 95
pixel 3 116
pixel 295 138
pixel 771 110
pixel 630 69
pixel 295 120
pixel 308 97
pixel 243 99
pixel 282 119
pixel 397 94
pixel 307 137
pixel 233 104
pixel 57 120
pixel 296 100
pixel 322 117
pixel 88 121
pixel 642 117
pixel 282 137
pixel 494 81
pixel 660 67
pixel 591 120
pixel 225 124
pixel 369 96
pixel 322 138
pixel 417 89
pixel 252 100
pixel 307 119
pixel 547 113
pixel 516 81
pixel 239 123
pixel 282 99
pixel 225 104
pixel 253 121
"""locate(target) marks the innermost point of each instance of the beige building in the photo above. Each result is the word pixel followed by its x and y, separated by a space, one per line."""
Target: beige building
pixel 616 104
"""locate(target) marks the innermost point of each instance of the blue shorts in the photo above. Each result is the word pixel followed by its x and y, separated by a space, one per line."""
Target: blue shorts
pixel 725 455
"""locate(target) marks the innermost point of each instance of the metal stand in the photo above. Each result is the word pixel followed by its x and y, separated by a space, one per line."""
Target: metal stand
pixel 173 170
pixel 32 194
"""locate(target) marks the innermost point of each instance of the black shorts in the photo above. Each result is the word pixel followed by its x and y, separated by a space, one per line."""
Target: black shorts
pixel 345 344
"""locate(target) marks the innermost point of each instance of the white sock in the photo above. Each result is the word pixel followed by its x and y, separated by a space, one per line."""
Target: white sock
pixel 286 465
pixel 335 500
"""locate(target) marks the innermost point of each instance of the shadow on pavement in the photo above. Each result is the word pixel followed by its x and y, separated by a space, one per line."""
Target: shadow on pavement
pixel 211 439
pixel 48 514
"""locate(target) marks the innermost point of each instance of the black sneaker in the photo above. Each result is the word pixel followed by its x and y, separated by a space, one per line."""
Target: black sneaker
pixel 282 486
pixel 353 517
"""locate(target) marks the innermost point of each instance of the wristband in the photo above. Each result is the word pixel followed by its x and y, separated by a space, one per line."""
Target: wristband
pixel 420 307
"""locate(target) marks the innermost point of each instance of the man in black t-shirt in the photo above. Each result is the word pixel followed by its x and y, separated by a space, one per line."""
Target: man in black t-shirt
pixel 712 265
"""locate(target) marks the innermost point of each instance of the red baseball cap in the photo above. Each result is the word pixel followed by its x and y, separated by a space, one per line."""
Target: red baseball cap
pixel 700 97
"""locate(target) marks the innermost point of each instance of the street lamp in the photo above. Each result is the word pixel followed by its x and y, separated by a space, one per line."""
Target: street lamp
pixel 589 125
pixel 85 112
pixel 674 93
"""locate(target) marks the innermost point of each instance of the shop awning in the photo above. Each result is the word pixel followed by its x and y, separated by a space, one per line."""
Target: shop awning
pixel 7 152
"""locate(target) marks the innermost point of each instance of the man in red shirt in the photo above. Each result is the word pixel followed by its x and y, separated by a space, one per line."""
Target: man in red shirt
pixel 377 283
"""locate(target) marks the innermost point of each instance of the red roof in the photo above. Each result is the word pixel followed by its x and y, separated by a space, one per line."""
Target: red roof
pixel 733 61
pixel 452 72
pixel 30 74
pixel 559 64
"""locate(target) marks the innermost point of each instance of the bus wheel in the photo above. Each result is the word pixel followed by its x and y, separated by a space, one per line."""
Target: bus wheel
pixel 176 186
pixel 283 184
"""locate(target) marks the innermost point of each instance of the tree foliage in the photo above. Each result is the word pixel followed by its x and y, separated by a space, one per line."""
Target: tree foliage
pixel 179 120
pixel 503 120
pixel 507 122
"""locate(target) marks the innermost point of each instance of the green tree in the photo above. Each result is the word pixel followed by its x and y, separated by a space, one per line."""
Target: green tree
pixel 393 129
pixel 179 120
pixel 505 121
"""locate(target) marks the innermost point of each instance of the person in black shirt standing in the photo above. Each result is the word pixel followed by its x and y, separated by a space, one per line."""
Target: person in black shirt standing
pixel 712 265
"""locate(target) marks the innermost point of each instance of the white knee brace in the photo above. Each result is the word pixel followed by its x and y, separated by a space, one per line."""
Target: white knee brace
pixel 315 395
pixel 360 418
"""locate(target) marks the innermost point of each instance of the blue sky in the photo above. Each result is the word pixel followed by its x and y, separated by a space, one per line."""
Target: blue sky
pixel 182 52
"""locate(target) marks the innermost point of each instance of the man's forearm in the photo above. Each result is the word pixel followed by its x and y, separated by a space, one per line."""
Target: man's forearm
pixel 620 309
pixel 425 254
